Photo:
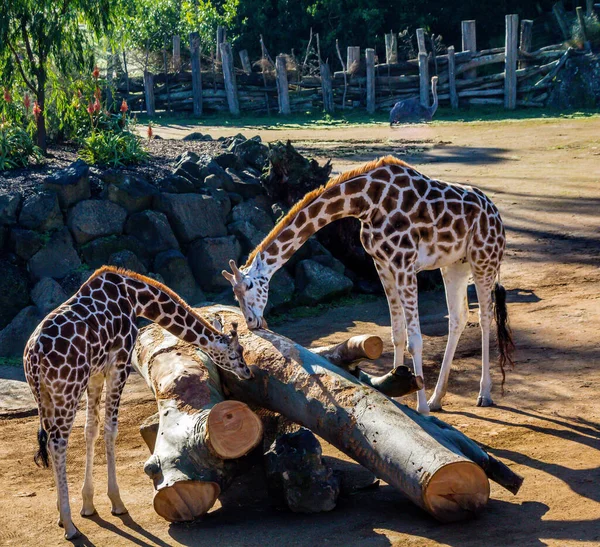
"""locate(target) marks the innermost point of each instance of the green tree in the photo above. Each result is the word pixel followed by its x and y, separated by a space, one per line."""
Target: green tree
pixel 37 36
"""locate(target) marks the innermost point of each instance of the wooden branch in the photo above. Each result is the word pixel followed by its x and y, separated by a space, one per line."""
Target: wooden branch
pixel 352 350
pixel 21 70
pixel 339 54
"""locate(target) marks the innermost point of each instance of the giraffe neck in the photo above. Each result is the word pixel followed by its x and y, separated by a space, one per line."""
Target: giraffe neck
pixel 159 304
pixel 343 200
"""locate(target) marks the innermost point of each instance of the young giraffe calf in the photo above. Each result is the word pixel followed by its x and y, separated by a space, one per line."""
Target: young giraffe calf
pixel 409 223
pixel 88 341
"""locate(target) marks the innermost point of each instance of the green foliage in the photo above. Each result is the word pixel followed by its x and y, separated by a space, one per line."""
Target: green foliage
pixel 114 149
pixel 592 31
pixel 16 147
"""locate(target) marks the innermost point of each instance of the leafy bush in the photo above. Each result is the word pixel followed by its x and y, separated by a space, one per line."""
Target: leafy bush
pixel 592 30
pixel 113 148
pixel 16 147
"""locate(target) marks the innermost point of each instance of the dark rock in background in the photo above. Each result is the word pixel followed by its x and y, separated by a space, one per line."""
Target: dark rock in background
pixel 56 259
pixel 71 184
pixel 208 257
pixel 41 212
pixel 95 218
pixel 153 230
pixel 14 291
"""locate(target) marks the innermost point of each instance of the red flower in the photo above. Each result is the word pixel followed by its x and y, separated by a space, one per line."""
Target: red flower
pixel 90 108
pixel 7 96
pixel 124 108
pixel 149 132
pixel 96 73
pixel 27 102
pixel 97 93
pixel 97 106
pixel 37 110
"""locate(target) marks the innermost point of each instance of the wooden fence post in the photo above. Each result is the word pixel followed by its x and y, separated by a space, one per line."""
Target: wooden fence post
pixel 469 42
pixel 391 48
pixel 452 78
pixel 561 18
pixel 326 87
pixel 176 53
pixel 589 7
pixel 196 73
pixel 352 56
pixel 525 40
pixel 510 69
pixel 424 79
pixel 421 40
pixel 149 93
pixel 220 39
pixel 245 59
pixel 581 21
pixel 283 95
pixel 229 77
pixel 370 63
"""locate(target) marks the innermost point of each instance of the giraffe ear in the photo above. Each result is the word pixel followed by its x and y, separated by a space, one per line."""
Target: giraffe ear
pixel 216 323
pixel 258 262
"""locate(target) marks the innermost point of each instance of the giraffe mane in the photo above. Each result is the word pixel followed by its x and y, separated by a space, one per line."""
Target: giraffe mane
pixel 157 284
pixel 314 194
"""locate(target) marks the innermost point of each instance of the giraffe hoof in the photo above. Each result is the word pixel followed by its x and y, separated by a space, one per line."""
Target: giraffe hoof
pixel 119 511
pixel 75 534
pixel 88 512
pixel 423 410
pixel 435 406
pixel 484 401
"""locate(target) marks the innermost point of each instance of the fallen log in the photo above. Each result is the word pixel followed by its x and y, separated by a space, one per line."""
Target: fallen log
pixel 436 466
pixel 198 435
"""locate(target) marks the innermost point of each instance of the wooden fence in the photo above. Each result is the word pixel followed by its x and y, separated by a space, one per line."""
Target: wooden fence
pixel 511 76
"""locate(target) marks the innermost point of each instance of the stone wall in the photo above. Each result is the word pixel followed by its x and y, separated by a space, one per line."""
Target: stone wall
pixel 181 229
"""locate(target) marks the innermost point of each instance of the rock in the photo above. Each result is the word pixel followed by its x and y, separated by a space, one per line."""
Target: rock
pixel 247 187
pixel 249 212
pixel 9 205
pixel 252 152
pixel 281 290
pixel 25 243
pixel 213 182
pixel 197 136
pixel 230 160
pixel 192 215
pixel 132 193
pixel 174 268
pixel 56 259
pixel 174 184
pixel 209 257
pixel 191 171
pixel 278 211
pixel 188 155
pixel 330 262
pixel 234 198
pixel 211 167
pixel 317 283
pixel 98 252
pixel 3 236
pixel 72 282
pixel 71 184
pixel 95 218
pixel 153 230
pixel 248 235
pixel 47 295
pixel 14 336
pixel 14 291
pixel 41 212
pixel 127 260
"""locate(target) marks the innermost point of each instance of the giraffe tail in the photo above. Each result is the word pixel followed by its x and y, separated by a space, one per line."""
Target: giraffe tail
pixel 506 345
pixel 41 458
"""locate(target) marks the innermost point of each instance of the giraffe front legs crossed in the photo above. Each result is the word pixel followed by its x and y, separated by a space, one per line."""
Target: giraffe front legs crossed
pixel 92 431
pixel 456 278
pixel 115 382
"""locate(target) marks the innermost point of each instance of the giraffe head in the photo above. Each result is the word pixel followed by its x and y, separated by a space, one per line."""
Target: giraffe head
pixel 251 290
pixel 227 353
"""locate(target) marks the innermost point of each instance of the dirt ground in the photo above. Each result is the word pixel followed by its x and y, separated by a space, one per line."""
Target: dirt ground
pixel 545 178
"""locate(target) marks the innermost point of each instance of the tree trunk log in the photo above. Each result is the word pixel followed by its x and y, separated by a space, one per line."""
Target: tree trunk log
pixel 435 465
pixel 199 434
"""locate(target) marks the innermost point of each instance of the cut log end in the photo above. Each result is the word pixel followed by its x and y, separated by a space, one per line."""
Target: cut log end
pixel 371 346
pixel 456 491
pixel 186 500
pixel 233 429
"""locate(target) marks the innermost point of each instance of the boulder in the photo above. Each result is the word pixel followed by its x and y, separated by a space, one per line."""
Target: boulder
pixel 56 259
pixel 153 230
pixel 174 268
pixel 127 260
pixel 41 212
pixel 209 257
pixel 71 184
pixel 222 198
pixel 317 283
pixel 249 212
pixel 247 234
pixel 73 281
pixel 191 171
pixel 132 193
pixel 15 335
pixel 95 218
pixel 247 186
pixel 281 290
pixel 47 295
pixel 211 167
pixel 197 136
pixel 192 215
pixel 251 152
pixel 98 252
pixel 230 160
pixel 9 205
pixel 25 243
pixel 3 236
pixel 175 184
pixel 14 292
pixel 331 262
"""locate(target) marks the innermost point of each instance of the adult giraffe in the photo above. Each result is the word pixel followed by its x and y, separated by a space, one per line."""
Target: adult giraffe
pixel 409 223
pixel 88 341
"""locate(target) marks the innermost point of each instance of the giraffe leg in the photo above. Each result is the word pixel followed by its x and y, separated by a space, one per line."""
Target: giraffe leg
pixel 484 295
pixel 456 278
pixel 92 430
pixel 408 294
pixel 115 381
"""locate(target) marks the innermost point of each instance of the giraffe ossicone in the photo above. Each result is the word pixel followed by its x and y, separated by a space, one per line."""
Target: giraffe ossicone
pixel 88 342
pixel 409 223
